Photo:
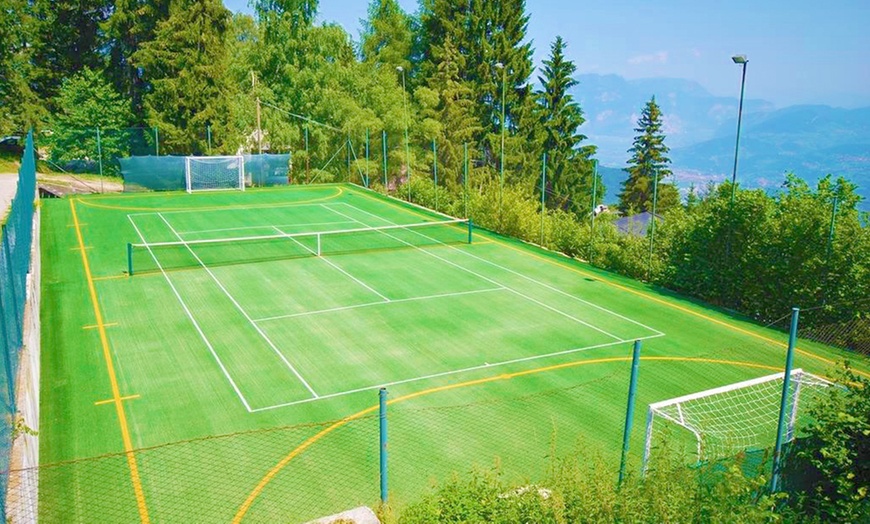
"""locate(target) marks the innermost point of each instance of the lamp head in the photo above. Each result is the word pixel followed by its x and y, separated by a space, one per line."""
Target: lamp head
pixel 400 69
pixel 740 59
pixel 499 65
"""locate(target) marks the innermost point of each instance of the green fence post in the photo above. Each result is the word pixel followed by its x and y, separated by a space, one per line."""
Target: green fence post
pixel 470 229
pixel 100 158
pixel 156 142
pixel 382 404
pixel 629 412
pixel 307 157
pixel 129 259
pixel 783 403
pixel 465 175
pixel 367 157
pixel 208 137
pixel 543 193
pixel 594 200
pixel 435 172
pixel 652 224
pixel 384 147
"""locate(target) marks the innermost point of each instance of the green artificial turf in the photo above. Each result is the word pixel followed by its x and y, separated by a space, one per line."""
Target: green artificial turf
pixel 227 357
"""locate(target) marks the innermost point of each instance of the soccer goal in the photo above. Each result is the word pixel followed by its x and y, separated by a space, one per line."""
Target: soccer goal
pixel 214 173
pixel 738 417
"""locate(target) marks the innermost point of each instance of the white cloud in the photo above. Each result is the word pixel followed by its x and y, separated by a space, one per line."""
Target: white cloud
pixel 655 58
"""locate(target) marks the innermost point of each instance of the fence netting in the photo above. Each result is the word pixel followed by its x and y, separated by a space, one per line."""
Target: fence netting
pixel 301 472
pixel 167 173
pixel 15 247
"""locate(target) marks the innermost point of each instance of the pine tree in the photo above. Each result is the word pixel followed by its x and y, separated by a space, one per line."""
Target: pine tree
pixel 648 160
pixel 388 35
pixel 185 65
pixel 569 164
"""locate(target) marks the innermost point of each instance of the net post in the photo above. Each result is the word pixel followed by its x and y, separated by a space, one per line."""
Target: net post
pixel 783 403
pixel 129 259
pixel 382 418
pixel 470 229
pixel 629 412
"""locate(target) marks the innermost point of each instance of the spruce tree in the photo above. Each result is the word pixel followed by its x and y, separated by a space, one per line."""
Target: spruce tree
pixel 648 160
pixel 569 164
pixel 186 66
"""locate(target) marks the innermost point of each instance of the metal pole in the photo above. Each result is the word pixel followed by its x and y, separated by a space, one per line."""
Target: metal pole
pixel 382 403
pixel 100 158
pixel 435 171
pixel 465 174
pixel 629 412
pixel 501 166
pixel 831 230
pixel 783 403
pixel 156 142
pixel 307 158
pixel 407 143
pixel 384 146
pixel 594 200
pixel 259 129
pixel 129 259
pixel 737 144
pixel 543 194
pixel 208 137
pixel 367 157
pixel 347 154
pixel 652 224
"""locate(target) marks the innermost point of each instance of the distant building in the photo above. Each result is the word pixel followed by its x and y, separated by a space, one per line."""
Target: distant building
pixel 636 224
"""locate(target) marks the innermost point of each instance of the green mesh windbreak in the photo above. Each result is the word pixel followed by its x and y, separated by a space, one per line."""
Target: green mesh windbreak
pixel 153 173
pixel 166 173
pixel 15 244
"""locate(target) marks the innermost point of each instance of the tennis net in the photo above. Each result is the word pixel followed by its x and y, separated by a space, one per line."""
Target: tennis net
pixel 156 256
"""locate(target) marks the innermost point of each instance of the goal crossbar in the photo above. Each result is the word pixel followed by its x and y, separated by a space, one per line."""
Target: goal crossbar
pixel 214 173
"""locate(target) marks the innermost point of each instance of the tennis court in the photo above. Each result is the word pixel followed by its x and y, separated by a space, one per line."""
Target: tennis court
pixel 175 317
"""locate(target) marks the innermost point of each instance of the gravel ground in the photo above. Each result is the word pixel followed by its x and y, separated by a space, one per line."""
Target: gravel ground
pixel 8 184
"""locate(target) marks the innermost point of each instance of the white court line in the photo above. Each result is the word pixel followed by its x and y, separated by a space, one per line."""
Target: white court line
pixel 453 372
pixel 191 232
pixel 369 304
pixel 490 280
pixel 193 320
pixel 223 209
pixel 530 279
pixel 333 264
pixel 241 310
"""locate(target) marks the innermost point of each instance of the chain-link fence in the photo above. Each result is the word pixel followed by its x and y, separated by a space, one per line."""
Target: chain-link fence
pixel 15 249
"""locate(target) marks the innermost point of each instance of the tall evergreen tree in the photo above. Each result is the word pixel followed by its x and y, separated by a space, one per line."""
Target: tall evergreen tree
pixel 67 38
pixel 388 35
pixel 648 160
pixel 569 163
pixel 186 66
pixel 133 22
pixel 20 107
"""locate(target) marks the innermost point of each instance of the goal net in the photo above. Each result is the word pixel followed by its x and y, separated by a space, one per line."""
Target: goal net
pixel 727 420
pixel 212 173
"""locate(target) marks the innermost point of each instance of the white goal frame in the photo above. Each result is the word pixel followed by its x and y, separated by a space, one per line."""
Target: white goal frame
pixel 678 410
pixel 232 181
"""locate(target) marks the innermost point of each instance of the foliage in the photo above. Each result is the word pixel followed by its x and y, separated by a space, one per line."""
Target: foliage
pixel 830 469
pixel 85 101
pixel 648 167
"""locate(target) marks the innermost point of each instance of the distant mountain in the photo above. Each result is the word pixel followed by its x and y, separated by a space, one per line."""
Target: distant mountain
pixel 701 129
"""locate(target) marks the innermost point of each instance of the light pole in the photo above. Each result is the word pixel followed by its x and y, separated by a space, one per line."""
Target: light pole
pixel 740 60
pixel 501 66
pixel 407 145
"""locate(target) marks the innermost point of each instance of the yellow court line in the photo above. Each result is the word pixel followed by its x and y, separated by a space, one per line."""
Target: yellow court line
pixel 88 203
pixel 643 295
pixel 258 489
pixel 83 224
pixel 102 402
pixel 116 395
pixel 96 326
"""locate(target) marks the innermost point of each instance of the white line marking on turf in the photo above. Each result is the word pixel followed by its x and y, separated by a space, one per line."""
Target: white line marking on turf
pixel 193 320
pixel 223 210
pixel 191 232
pixel 369 304
pixel 478 275
pixel 453 372
pixel 530 279
pixel 333 264
pixel 241 310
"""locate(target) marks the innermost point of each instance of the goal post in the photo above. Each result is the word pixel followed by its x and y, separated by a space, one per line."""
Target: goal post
pixel 737 417
pixel 214 173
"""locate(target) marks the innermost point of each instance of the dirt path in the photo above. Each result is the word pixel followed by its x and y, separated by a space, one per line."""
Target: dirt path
pixel 8 185
pixel 65 183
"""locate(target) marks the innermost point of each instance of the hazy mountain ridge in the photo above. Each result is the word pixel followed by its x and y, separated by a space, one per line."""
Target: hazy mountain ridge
pixel 810 140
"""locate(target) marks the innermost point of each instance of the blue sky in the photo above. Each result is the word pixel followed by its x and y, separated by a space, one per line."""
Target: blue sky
pixel 799 51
